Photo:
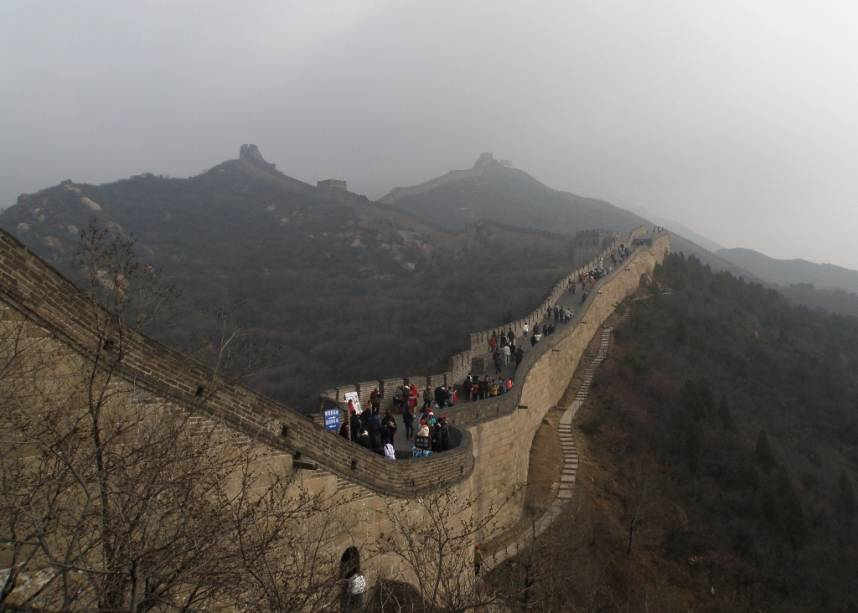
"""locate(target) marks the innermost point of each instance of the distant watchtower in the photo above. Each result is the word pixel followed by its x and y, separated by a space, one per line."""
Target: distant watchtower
pixel 332 184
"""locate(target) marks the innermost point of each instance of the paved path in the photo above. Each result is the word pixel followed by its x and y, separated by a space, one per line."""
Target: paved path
pixel 565 487
pixel 571 301
pixel 574 302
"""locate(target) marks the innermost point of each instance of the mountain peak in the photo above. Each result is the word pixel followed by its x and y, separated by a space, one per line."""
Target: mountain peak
pixel 250 153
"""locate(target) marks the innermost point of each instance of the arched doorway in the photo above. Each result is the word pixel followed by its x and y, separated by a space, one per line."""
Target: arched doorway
pixel 349 563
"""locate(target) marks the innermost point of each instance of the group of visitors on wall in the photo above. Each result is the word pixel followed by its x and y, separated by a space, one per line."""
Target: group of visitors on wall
pixel 428 432
pixel 431 433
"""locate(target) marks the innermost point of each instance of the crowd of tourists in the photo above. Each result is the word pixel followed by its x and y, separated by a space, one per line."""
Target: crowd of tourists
pixel 427 431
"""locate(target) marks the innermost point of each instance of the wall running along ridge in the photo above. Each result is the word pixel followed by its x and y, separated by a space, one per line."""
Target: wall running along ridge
pixel 460 364
pixel 37 291
pixel 489 466
pixel 42 295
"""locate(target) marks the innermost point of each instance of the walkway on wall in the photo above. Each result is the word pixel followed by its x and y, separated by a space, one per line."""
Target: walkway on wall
pixel 574 302
pixel 568 473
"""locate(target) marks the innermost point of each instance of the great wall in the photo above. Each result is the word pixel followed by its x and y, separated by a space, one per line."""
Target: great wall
pixel 490 459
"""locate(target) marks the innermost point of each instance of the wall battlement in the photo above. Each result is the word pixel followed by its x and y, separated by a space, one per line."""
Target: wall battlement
pixel 42 295
pixel 488 467
pixel 39 293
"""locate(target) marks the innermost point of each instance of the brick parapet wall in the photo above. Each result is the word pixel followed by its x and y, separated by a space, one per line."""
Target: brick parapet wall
pixel 459 364
pixel 502 428
pixel 471 413
pixel 37 291
pixel 41 294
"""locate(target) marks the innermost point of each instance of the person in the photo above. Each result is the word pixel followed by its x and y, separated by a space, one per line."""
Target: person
pixel 508 384
pixel 413 394
pixel 388 425
pixel 466 386
pixel 373 427
pixel 443 434
pixel 496 358
pixel 525 330
pixel 427 397
pixel 484 388
pixel 507 353
pixel 375 401
pixel 510 336
pixel 533 340
pixel 363 438
pixel 344 429
pixel 356 592
pixel 354 425
pixel 408 420
pixel 478 560
pixel 422 442
pixel 453 399
pixel 519 356
pixel 493 342
pixel 389 451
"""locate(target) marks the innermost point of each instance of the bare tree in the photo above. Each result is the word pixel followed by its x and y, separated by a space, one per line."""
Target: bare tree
pixel 433 540
pixel 115 500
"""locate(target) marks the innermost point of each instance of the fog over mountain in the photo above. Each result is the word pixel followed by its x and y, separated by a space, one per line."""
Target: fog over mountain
pixel 791 272
pixel 733 118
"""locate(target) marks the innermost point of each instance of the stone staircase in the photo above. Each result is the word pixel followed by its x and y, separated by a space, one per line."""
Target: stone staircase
pixel 565 489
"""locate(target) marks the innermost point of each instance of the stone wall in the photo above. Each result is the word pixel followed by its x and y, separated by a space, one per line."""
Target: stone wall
pixel 489 466
pixel 37 291
pixel 502 429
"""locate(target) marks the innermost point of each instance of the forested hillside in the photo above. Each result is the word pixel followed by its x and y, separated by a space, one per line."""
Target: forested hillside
pixel 719 458
pixel 492 190
pixel 324 286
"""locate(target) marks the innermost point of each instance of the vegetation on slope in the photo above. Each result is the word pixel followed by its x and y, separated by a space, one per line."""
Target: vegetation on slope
pixel 720 458
pixel 495 191
pixel 325 286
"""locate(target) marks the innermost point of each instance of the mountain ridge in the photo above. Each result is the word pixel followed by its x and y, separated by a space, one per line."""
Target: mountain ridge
pixel 793 271
pixel 326 285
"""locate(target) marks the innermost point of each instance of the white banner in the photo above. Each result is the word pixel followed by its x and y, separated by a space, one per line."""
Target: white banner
pixel 353 396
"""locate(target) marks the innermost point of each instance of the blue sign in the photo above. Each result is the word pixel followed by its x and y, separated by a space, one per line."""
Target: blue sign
pixel 332 420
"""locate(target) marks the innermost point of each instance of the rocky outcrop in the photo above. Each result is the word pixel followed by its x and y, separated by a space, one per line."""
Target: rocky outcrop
pixel 250 153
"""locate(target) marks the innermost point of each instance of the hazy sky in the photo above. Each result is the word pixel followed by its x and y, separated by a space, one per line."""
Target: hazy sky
pixel 737 118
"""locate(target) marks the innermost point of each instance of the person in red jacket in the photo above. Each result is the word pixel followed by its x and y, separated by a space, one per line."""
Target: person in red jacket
pixel 413 394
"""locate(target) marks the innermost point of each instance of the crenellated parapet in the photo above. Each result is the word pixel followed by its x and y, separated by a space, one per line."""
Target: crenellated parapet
pixel 460 364
pixel 38 293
